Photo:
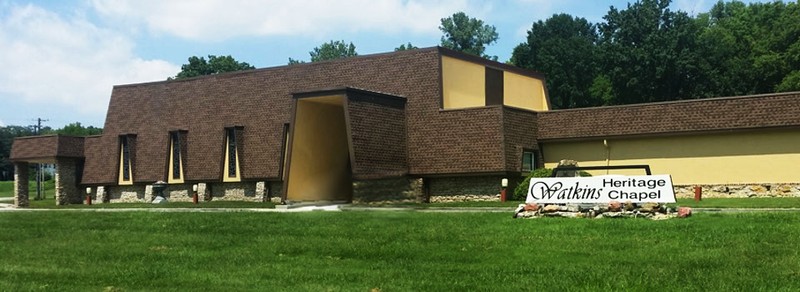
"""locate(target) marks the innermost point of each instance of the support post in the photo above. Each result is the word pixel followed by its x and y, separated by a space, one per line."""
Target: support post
pixel 21 185
pixel 698 193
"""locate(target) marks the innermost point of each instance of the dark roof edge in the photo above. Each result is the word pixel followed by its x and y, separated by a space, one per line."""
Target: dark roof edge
pixel 49 136
pixel 664 134
pixel 244 72
pixel 762 95
pixel 477 59
pixel 357 94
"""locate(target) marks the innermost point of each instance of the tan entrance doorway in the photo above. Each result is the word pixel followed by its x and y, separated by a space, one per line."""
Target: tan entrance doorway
pixel 319 165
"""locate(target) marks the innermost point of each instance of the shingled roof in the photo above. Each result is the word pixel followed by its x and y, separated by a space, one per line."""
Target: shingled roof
pixel 46 148
pixel 691 116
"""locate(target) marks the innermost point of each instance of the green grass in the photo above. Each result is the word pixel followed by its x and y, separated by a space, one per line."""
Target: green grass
pixel 51 204
pixel 394 251
pixel 778 202
pixel 7 189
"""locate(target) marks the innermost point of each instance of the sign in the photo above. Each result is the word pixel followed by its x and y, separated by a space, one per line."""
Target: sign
pixel 602 189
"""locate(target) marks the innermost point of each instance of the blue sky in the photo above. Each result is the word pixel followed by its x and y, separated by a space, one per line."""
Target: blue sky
pixel 60 59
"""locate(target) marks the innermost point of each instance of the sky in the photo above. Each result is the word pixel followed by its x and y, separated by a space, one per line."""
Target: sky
pixel 59 60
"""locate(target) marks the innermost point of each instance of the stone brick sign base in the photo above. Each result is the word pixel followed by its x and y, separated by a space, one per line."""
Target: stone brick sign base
pixel 611 210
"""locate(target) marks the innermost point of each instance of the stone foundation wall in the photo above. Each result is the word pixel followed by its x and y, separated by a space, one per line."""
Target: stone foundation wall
pixel 241 191
pixel 469 188
pixel 127 194
pixel 387 190
pixel 740 190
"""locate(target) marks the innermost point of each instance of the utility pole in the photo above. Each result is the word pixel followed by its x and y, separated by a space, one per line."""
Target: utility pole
pixel 39 169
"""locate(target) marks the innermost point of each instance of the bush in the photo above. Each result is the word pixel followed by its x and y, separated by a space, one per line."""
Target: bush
pixel 521 191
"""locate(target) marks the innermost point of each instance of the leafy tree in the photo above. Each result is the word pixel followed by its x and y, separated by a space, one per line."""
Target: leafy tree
pixel 76 129
pixel 214 65
pixel 330 51
pixel 564 49
pixel 649 53
pixel 468 35
pixel 7 135
pixel 751 48
pixel 405 47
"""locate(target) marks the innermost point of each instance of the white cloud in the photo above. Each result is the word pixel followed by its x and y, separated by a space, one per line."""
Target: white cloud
pixel 223 19
pixel 67 63
pixel 2 124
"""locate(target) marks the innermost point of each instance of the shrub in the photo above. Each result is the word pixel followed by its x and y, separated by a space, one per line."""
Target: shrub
pixel 521 191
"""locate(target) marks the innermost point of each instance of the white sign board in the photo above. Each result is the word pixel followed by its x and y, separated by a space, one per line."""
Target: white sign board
pixel 602 189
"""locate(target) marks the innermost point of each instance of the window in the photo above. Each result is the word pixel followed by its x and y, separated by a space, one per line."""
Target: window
pixel 528 160
pixel 126 159
pixel 176 149
pixel 232 171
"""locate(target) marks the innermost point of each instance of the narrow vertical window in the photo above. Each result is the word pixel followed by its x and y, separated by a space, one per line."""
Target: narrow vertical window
pixel 231 152
pixel 176 156
pixel 528 160
pixel 232 171
pixel 125 160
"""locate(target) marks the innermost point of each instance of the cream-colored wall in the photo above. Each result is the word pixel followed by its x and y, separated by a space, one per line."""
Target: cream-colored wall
pixel 225 171
pixel 171 171
pixel 463 84
pixel 320 164
pixel 744 157
pixel 524 92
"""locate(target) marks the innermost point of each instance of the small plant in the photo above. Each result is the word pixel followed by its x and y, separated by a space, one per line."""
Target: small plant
pixel 521 191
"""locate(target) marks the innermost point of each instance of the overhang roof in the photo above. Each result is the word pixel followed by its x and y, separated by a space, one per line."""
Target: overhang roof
pixel 678 117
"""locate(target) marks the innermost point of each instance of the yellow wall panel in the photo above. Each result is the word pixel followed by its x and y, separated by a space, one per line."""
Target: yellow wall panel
pixel 745 157
pixel 463 84
pixel 523 92
pixel 320 164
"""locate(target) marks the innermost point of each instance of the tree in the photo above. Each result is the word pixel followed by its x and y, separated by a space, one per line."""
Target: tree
pixel 650 53
pixel 405 47
pixel 468 35
pixel 76 129
pixel 330 51
pixel 564 49
pixel 751 48
pixel 214 65
pixel 7 135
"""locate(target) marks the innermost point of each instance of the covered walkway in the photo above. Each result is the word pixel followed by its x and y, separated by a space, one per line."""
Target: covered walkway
pixel 66 152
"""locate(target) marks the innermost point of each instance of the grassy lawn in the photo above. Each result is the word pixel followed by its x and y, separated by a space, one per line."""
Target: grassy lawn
pixel 790 202
pixel 7 189
pixel 51 204
pixel 394 251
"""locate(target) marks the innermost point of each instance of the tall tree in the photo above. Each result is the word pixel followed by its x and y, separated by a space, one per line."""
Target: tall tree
pixel 564 49
pixel 469 35
pixel 330 51
pixel 751 48
pixel 649 53
pixel 214 65
pixel 76 129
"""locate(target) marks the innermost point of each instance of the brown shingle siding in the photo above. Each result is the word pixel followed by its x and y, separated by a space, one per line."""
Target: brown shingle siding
pixel 716 114
pixel 520 131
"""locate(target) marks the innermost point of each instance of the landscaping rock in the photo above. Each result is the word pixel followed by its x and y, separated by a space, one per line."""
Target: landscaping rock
pixel 614 206
pixel 551 208
pixel 531 207
pixel 684 212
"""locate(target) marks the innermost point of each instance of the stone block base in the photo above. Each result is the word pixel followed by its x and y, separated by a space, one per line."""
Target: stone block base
pixel 392 190
pixel 740 190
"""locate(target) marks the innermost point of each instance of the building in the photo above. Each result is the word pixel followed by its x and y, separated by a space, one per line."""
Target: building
pixel 428 124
